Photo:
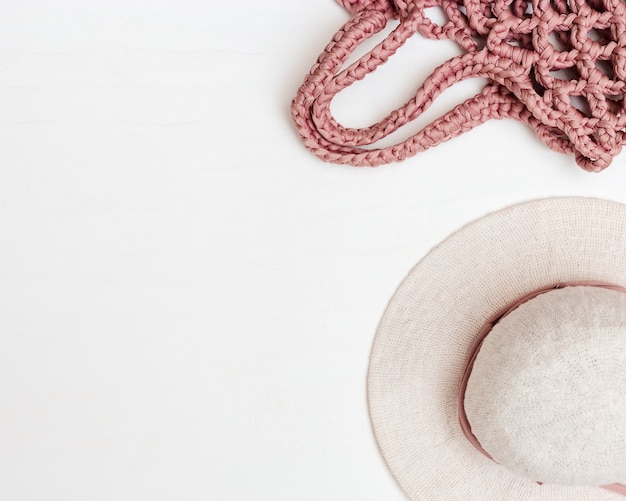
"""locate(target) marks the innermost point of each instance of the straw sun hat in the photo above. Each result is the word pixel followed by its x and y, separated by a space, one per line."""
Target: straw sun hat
pixel 499 368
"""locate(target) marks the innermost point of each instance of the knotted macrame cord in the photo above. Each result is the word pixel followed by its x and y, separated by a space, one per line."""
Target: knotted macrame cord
pixel 512 44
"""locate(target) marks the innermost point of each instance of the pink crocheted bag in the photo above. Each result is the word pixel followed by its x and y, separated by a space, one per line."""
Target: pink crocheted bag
pixel 514 44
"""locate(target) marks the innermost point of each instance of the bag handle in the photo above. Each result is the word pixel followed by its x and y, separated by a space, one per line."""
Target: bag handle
pixel 332 142
pixel 510 93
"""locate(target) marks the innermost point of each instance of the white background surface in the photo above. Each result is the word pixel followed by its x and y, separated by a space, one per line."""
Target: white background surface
pixel 188 297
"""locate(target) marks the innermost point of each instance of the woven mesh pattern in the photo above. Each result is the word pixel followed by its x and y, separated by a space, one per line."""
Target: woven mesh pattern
pixel 557 65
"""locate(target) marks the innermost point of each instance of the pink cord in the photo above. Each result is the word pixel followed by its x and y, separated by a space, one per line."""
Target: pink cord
pixel 511 43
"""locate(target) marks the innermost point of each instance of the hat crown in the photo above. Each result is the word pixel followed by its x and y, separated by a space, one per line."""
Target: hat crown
pixel 546 397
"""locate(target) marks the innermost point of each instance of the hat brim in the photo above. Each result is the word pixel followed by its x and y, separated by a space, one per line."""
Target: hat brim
pixel 424 341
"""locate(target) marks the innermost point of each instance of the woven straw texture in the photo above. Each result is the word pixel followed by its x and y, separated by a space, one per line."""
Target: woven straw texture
pixel 425 339
pixel 558 66
pixel 547 394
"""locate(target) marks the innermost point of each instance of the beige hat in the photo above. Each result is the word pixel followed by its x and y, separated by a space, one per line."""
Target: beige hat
pixel 499 368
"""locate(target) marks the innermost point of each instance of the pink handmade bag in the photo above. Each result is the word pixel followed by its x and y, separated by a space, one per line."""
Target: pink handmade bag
pixel 514 44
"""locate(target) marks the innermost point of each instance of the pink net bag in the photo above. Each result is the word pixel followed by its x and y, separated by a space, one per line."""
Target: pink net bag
pixel 517 45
